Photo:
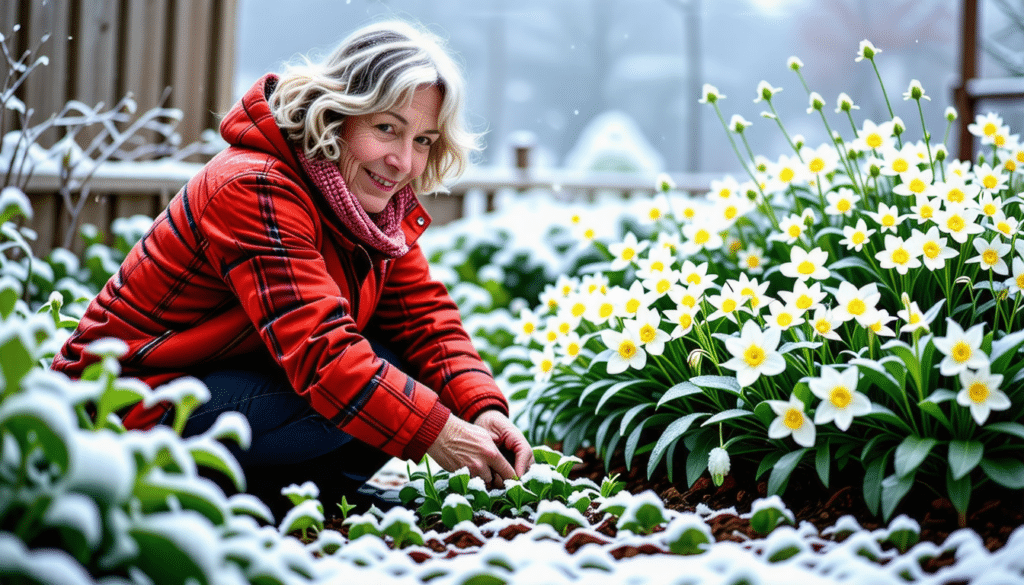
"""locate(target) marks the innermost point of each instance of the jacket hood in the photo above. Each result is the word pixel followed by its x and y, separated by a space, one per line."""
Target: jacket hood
pixel 251 124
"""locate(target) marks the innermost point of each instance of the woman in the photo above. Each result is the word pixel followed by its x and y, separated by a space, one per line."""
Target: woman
pixel 287 277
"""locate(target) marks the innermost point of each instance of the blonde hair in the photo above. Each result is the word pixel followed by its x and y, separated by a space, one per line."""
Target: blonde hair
pixel 376 68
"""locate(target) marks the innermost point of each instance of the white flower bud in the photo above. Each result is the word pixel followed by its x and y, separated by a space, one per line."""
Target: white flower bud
pixel 718 465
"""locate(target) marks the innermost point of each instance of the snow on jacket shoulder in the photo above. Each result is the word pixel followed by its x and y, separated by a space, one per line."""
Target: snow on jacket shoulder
pixel 247 260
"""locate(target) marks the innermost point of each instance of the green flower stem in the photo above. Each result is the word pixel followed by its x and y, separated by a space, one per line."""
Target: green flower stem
pixel 927 136
pixel 778 121
pixel 750 151
pixel 735 149
pixel 849 116
pixel 885 94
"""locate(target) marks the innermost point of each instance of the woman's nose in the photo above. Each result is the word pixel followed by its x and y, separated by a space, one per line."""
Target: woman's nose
pixel 400 158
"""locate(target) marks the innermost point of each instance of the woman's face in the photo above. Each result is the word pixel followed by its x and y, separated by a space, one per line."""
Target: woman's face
pixel 383 151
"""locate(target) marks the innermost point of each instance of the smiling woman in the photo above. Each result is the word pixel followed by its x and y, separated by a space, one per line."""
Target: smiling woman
pixel 288 278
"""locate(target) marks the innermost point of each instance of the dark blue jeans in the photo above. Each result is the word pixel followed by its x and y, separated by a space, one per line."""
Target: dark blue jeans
pixel 291 442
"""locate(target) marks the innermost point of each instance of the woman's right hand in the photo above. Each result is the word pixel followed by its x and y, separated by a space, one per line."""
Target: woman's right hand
pixel 462 444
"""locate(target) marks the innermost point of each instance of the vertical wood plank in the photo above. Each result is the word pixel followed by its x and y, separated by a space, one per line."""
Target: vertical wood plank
pixel 142 59
pixel 191 48
pixel 223 32
pixel 97 62
pixel 45 211
pixel 46 89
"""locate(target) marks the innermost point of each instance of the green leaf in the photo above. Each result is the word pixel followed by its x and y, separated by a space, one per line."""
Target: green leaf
pixel 697 458
pixel 727 383
pixel 930 405
pixel 680 390
pixel 768 462
pixel 1008 428
pixel 894 488
pixel 1004 349
pixel 163 557
pixel 690 541
pixel 8 298
pixel 911 453
pixel 782 470
pixel 873 474
pixel 850 262
pixel 794 345
pixel 634 438
pixel 1007 472
pixel 15 362
pixel 670 435
pixel 823 461
pixel 590 389
pixel 964 456
pixel 627 419
pixel 615 389
pixel 606 425
pixel 213 455
pixel 730 414
pixel 959 490
pixel 877 375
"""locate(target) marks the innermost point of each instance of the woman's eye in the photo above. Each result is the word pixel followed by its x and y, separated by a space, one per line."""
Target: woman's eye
pixel 425 140
pixel 385 127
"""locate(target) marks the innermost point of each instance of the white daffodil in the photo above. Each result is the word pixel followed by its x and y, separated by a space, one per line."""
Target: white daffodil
pixel 646 329
pixel 932 247
pixel 701 236
pixel 804 265
pixel 856 303
pixel 654 210
pixel 601 307
pixel 820 161
pixel 727 304
pixel 915 182
pixel 924 208
pixel 959 222
pixel 825 324
pixel 841 202
pixel 571 345
pixel 844 103
pixel 543 363
pixel 887 217
pixel 803 297
pixel 659 259
pixel 898 254
pixel 791 228
pixel 626 349
pixel 783 316
pixel 755 293
pixel 990 255
pixel 626 251
pixel 671 242
pixel 898 161
pixel 1015 283
pixel 1006 226
pixel 660 283
pixel 751 259
pixel 688 297
pixel 855 237
pixel 990 205
pixel 754 353
pixel 873 136
pixel 696 274
pixel 791 420
pixel 723 189
pixel 961 348
pixel 718 465
pixel 592 284
pixel 912 317
pixel 986 125
pixel 575 307
pixel 840 401
pixel 880 323
pixel 814 103
pixel 990 179
pixel 683 318
pixel 960 169
pixel 526 326
pixel 633 299
pixel 957 191
pixel 980 392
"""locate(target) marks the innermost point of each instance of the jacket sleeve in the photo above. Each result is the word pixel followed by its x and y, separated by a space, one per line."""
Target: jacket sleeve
pixel 419 317
pixel 261 233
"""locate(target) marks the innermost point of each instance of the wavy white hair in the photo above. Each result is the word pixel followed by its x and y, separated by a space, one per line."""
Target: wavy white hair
pixel 376 68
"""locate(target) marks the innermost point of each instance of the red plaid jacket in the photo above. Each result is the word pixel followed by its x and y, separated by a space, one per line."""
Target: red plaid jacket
pixel 248 259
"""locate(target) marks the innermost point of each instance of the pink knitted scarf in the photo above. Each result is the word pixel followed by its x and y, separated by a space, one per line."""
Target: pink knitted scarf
pixel 382 231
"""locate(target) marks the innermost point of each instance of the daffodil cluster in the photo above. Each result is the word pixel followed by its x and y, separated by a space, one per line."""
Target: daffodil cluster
pixel 871 281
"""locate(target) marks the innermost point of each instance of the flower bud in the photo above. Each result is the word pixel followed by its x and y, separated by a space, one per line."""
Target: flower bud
pixel 794 63
pixel 718 465
pixel 816 102
pixel 951 114
pixel 867 51
pixel 665 183
pixel 710 94
pixel 844 103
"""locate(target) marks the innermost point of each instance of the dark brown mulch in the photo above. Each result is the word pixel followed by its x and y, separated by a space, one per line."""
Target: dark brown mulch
pixel 994 513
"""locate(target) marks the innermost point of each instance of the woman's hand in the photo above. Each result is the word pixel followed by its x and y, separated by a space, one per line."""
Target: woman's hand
pixel 507 435
pixel 462 444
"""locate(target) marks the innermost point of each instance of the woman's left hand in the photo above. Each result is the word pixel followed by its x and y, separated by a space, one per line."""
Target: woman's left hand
pixel 507 435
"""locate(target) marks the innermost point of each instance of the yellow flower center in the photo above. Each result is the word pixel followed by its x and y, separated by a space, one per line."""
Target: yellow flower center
pixel 546 366
pixel 856 307
pixel 573 349
pixel 990 129
pixel 605 310
pixel 552 335
pixel 858 238
pixel 1020 156
pixel 927 212
pixel 578 309
pixel 823 326
pixel 702 237
pixel 632 305
pixel 589 234
pixel 1004 228
pixel 955 223
pixel 566 290
pixel 1020 281
pixel 754 356
pixel 690 213
pixel 564 328
pixel 576 219
pixel 931 249
pixel 961 351
pixel 876 327
pixel 753 261
pixel 843 205
pixel 663 286
pixel 735 246
pixel 693 278
pixel 654 213
pixel 999 140
pixel 840 397
pixel 786 175
pixel 628 254
pixel 553 303
pixel 729 305
pixel 900 256
pixel 888 221
pixel 915 318
pixel 725 193
pixel 731 212
pixel 1010 165
pixel 794 231
pixel 647 333
pixel 989 209
pixel 900 165
pixel 690 301
pixel 784 319
pixel 978 392
pixel 874 140
pixel 793 419
pixel 991 257
pixel 685 320
pixel 806 267
pixel 804 302
pixel 627 349
pixel 955 195
pixel 917 186
pixel 817 165
pixel 529 328
pixel 990 181
pixel 657 266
